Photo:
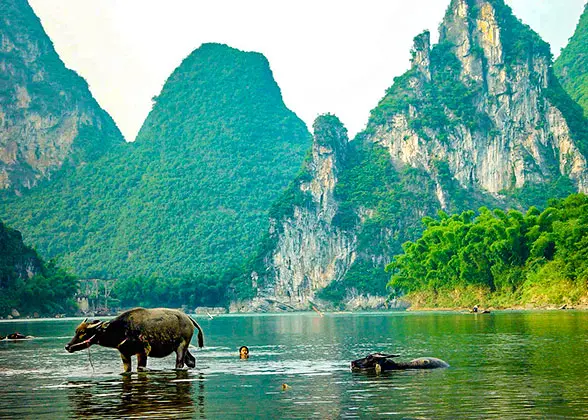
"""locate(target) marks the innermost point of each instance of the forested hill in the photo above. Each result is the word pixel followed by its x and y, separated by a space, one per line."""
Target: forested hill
pixel 27 283
pixel 498 258
pixel 571 66
pixel 48 118
pixel 190 197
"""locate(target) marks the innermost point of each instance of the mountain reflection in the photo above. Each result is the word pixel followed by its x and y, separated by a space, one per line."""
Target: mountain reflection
pixel 146 394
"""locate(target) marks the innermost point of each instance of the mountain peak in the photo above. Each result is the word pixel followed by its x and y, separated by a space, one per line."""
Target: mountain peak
pixel 49 117
pixel 220 82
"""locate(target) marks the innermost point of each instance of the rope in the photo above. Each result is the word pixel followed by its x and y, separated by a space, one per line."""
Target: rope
pixel 90 359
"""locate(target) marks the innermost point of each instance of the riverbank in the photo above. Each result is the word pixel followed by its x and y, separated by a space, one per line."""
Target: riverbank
pixel 582 307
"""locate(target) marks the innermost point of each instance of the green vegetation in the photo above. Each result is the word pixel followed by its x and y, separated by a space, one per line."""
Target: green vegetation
pixel 190 198
pixel 519 41
pixel 397 99
pixel 441 103
pixel 370 181
pixel 498 258
pixel 571 67
pixel 174 292
pixel 534 194
pixel 392 202
pixel 27 283
pixel 446 92
pixel 571 111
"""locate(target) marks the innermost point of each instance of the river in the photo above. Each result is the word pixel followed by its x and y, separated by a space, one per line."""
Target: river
pixel 506 364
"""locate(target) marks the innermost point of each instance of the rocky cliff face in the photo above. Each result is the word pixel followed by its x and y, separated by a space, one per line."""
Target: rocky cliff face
pixel 506 133
pixel 308 252
pixel 477 119
pixel 48 118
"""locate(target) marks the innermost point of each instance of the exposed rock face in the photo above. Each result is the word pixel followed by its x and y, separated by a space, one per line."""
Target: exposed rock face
pixel 471 122
pixel 518 137
pixel 48 117
pixel 310 252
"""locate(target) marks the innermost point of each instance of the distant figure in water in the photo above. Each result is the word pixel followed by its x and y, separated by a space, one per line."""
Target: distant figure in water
pixel 17 336
pixel 244 352
pixel 476 310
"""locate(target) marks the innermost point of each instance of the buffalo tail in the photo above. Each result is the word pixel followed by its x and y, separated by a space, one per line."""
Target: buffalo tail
pixel 200 333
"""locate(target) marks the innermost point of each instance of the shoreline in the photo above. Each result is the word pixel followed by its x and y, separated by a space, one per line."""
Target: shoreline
pixel 580 307
pixel 520 308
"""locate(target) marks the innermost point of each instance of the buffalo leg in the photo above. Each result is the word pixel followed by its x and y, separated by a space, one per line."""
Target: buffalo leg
pixel 141 362
pixel 181 354
pixel 126 362
pixel 189 359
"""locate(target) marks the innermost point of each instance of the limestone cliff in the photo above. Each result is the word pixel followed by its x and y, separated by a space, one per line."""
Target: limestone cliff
pixel 307 250
pixel 488 82
pixel 479 119
pixel 48 118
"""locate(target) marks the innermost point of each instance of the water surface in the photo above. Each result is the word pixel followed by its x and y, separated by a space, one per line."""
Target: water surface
pixel 503 365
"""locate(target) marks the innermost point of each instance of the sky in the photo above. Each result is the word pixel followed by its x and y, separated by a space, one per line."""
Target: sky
pixel 327 56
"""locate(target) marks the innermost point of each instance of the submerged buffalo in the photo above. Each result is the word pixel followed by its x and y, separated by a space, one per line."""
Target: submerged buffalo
pixel 16 336
pixel 144 332
pixel 379 362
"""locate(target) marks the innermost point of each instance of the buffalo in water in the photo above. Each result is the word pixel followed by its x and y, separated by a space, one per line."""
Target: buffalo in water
pixel 142 332
pixel 379 362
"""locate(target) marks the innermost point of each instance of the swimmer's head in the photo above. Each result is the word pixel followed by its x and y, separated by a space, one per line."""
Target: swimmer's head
pixel 244 352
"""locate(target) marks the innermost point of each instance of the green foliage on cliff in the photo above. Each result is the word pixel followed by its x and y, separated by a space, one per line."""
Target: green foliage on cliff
pixel 190 197
pixel 571 67
pixel 519 41
pixel 446 101
pixel 397 99
pixel 383 205
pixel 502 257
pixel 571 111
pixel 441 103
pixel 369 181
pixel 27 283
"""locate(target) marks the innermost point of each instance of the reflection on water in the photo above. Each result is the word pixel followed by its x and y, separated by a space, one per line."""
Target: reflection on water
pixel 145 394
pixel 503 365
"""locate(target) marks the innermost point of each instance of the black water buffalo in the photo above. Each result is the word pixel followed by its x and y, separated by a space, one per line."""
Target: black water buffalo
pixel 144 332
pixel 16 336
pixel 379 362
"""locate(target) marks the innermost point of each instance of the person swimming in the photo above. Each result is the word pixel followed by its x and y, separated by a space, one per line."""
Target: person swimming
pixel 244 352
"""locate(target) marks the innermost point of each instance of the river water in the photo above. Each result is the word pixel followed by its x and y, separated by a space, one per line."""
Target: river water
pixel 503 365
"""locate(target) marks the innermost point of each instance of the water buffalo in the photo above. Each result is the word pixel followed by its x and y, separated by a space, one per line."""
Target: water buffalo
pixel 16 336
pixel 379 362
pixel 144 332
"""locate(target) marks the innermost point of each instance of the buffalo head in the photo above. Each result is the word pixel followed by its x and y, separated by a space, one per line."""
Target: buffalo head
pixel 87 333
pixel 373 361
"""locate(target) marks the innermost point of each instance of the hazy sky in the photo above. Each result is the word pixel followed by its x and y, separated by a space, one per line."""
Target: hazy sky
pixel 335 56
